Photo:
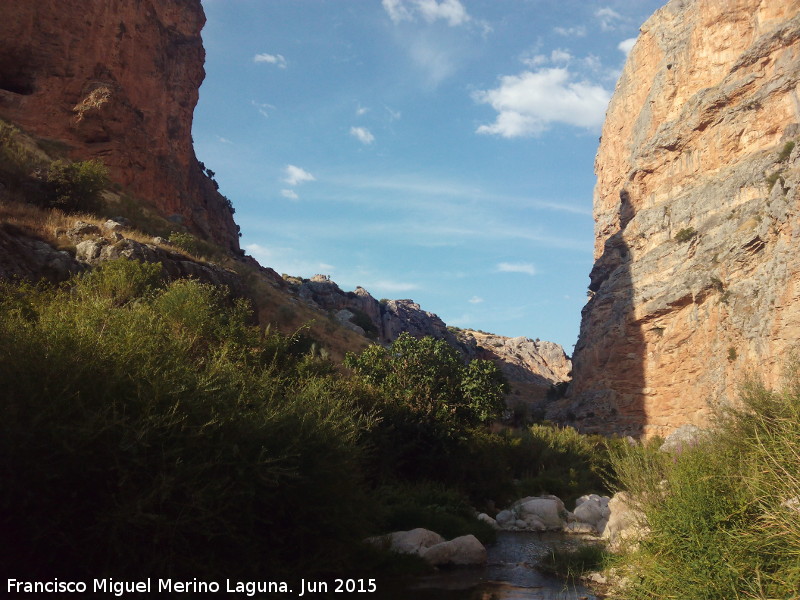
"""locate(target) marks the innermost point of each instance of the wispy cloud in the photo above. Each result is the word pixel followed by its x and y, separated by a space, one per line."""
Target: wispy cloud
pixel 625 46
pixel 451 11
pixel 224 140
pixel 529 103
pixel 273 59
pixel 295 175
pixel 394 115
pixel 389 286
pixel 361 110
pixel 526 268
pixel 475 300
pixel 573 32
pixel 362 134
pixel 263 108
pixel 290 194
pixel 560 56
pixel 423 189
pixel 608 18
pixel 287 260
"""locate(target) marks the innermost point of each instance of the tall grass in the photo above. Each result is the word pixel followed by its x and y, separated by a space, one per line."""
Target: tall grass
pixel 150 430
pixel 722 519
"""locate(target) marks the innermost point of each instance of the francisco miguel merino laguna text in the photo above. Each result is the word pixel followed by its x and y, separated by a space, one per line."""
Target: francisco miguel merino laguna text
pixel 250 588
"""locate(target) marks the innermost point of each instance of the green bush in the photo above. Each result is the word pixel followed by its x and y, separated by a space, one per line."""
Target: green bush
pixel 685 234
pixel 155 433
pixel 194 245
pixel 428 377
pixel 76 186
pixel 718 514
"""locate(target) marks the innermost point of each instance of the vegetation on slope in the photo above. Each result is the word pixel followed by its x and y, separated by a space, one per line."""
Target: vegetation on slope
pixel 153 429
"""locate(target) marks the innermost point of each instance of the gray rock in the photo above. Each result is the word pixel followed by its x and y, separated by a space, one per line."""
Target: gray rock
pixel 683 437
pixel 81 229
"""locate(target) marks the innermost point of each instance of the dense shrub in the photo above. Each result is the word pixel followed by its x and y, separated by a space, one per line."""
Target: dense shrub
pixel 720 513
pixel 150 431
pixel 76 186
pixel 428 402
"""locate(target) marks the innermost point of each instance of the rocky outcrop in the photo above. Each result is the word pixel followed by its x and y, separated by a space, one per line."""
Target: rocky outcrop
pixel 117 80
pixel 383 321
pixel 697 276
pixel 533 368
pixel 24 257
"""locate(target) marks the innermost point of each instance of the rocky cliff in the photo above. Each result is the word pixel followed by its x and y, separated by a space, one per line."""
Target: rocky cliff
pixel 117 80
pixel 697 274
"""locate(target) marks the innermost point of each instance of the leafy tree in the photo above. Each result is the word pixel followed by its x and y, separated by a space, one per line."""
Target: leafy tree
pixel 429 378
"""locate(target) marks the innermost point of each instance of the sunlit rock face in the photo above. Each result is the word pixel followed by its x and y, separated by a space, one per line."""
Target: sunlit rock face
pixel 697 271
pixel 116 80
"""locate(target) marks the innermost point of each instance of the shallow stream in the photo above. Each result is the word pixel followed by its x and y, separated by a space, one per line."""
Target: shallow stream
pixel 510 574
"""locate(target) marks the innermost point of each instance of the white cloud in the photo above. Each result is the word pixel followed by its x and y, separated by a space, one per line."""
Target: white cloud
pixel 224 140
pixel 273 59
pixel 560 56
pixel 577 31
pixel 296 175
pixel 528 103
pixel 626 46
pixel 290 194
pixel 526 268
pixel 362 134
pixel 475 300
pixel 535 61
pixel 361 111
pixel 609 19
pixel 451 11
pixel 397 10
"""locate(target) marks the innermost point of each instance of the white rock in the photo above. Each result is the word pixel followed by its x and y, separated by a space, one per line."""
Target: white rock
pixel 504 517
pixel 547 509
pixel 408 542
pixel 464 550
pixel 625 522
pixel 534 523
pixel 488 520
pixel 792 504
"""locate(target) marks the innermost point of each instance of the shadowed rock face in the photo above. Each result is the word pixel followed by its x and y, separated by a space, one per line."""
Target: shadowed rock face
pixel 116 80
pixel 697 274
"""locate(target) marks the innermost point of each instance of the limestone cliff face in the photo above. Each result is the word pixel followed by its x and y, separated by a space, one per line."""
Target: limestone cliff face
pixel 116 80
pixel 697 272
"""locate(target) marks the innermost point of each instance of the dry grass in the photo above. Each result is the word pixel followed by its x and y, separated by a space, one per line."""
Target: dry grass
pixel 51 226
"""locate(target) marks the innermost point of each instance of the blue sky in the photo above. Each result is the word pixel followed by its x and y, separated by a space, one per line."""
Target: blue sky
pixel 439 150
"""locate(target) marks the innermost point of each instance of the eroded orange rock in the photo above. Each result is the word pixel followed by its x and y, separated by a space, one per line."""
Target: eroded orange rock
pixel 116 80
